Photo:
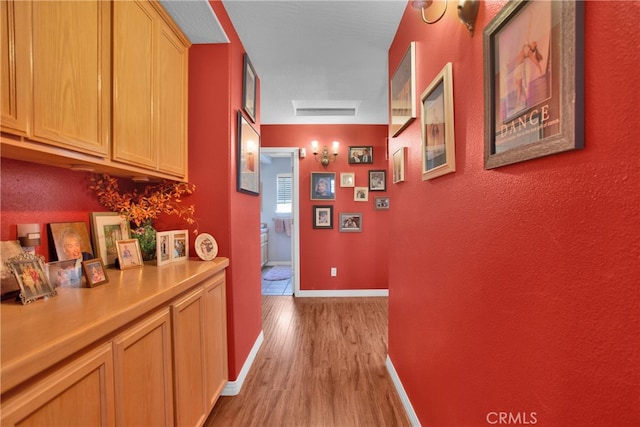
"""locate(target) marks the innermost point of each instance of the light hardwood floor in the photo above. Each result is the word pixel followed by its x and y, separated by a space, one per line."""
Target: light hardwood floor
pixel 322 363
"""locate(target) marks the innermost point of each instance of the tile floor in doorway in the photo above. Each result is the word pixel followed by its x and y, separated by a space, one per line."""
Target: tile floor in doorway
pixel 275 287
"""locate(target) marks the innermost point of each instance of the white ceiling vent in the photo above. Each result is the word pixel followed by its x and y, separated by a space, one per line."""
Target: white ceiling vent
pixel 325 108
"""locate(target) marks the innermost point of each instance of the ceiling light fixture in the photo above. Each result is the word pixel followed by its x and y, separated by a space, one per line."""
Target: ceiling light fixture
pixel 324 156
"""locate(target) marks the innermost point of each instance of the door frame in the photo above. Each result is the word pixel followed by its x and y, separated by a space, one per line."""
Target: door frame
pixel 295 210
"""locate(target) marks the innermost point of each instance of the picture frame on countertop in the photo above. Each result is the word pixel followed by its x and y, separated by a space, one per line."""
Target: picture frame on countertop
pixel 403 92
pixel 438 131
pixel 206 247
pixel 106 229
pixel 163 247
pixel 533 81
pixel 66 273
pixel 69 240
pixel 29 271
pixel 129 255
pixel 94 272
pixel 9 286
pixel 179 245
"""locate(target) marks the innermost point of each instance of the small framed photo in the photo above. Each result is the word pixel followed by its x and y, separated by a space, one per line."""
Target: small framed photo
pixel 180 245
pixel 129 255
pixel 163 247
pixel 249 89
pixel 361 155
pixel 347 179
pixel 323 186
pixel 206 246
pixel 65 273
pixel 248 158
pixel 378 180
pixel 323 216
pixel 350 222
pixel 106 229
pixel 398 164
pixel 94 272
pixel 29 271
pixel 381 203
pixel 361 194
pixel 438 139
pixel 70 240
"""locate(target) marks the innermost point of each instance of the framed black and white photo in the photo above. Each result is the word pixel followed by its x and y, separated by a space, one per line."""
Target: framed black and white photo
pixel 361 194
pixel 381 203
pixel 249 89
pixel 377 180
pixel 347 179
pixel 438 139
pixel 533 81
pixel 350 222
pixel 323 216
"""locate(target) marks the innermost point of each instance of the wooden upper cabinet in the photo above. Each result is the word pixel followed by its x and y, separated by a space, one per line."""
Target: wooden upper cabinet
pixel 15 84
pixel 71 74
pixel 150 66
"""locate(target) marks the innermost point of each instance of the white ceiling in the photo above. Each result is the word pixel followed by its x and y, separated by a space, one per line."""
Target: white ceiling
pixel 314 54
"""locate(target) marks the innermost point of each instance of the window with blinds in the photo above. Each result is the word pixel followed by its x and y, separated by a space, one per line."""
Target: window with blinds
pixel 284 189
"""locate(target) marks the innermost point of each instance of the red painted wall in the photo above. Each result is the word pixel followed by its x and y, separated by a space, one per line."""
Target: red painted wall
pixel 516 289
pixel 361 258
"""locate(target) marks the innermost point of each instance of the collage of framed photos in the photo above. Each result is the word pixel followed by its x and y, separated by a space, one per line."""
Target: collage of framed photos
pixel 324 187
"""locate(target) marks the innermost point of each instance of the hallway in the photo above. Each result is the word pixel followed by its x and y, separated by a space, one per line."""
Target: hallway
pixel 322 362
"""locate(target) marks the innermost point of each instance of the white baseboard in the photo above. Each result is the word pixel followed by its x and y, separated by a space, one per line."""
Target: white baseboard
pixel 274 263
pixel 233 387
pixel 413 418
pixel 344 293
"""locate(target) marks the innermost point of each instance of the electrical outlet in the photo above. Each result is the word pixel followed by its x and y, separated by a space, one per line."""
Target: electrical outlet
pixel 334 271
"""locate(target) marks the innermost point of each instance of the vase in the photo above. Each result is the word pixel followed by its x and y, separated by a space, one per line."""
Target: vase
pixel 146 236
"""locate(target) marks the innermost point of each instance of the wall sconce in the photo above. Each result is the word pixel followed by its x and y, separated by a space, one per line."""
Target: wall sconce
pixel 468 12
pixel 426 4
pixel 324 156
pixel 29 236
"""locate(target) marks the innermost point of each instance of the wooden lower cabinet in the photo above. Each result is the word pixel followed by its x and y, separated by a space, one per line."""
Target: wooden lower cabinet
pixel 215 301
pixel 79 393
pixel 143 373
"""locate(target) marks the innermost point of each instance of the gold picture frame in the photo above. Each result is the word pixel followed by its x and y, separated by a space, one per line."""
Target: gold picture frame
pixel 129 255
pixel 403 92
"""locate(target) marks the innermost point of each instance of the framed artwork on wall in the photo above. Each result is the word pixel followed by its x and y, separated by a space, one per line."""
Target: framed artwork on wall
pixel 438 139
pixel 323 186
pixel 398 164
pixel 378 180
pixel 347 179
pixel 248 158
pixel 106 229
pixel 323 216
pixel 361 194
pixel 350 222
pixel 249 89
pixel 361 155
pixel 382 203
pixel 403 94
pixel 533 81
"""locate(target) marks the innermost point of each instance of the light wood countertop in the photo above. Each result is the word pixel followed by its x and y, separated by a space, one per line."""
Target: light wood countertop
pixel 36 336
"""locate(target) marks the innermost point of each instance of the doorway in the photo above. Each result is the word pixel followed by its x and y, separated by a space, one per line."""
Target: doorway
pixel 279 213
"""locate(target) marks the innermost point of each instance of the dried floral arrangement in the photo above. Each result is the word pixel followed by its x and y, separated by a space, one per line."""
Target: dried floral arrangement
pixel 141 207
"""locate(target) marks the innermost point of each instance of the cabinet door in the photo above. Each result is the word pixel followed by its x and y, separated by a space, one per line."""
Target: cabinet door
pixel 15 84
pixel 216 337
pixel 134 29
pixel 71 74
pixel 172 103
pixel 143 373
pixel 189 360
pixel 80 394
